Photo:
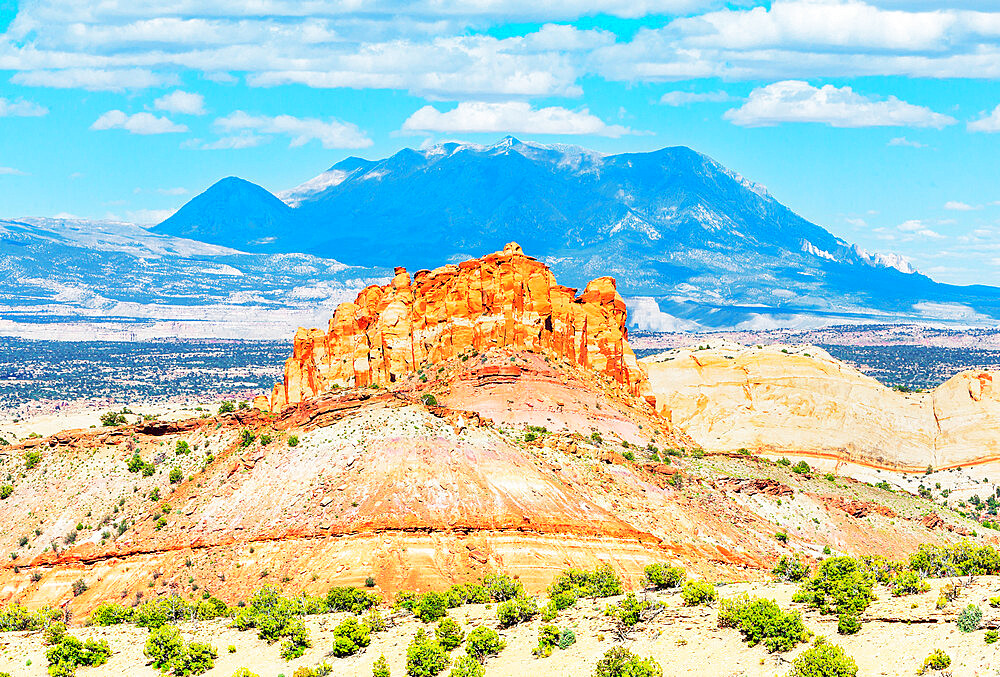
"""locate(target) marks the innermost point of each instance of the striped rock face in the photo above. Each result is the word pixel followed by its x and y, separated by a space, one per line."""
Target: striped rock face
pixel 503 300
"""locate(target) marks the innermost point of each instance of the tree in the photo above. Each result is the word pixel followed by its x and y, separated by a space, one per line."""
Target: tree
pixel 824 660
pixel 425 657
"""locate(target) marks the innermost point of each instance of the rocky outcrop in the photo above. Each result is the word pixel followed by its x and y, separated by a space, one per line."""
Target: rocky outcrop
pixel 505 299
pixel 799 400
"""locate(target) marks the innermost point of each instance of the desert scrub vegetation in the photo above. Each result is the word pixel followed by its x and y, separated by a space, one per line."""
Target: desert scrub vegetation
pixel 961 559
pixel 425 657
pixel 908 583
pixel 484 642
pixel 449 633
pixel 969 618
pixel 350 637
pixel 15 617
pixel 762 621
pixel 698 593
pixel 823 660
pixel 573 584
pixel 69 653
pixel 170 653
pixel 790 569
pixel 517 610
pixel 840 586
pixel 620 662
pixel 629 612
pixel 937 660
pixel 663 576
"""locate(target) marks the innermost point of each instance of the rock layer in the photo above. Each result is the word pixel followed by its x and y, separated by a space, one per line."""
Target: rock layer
pixel 505 299
pixel 799 400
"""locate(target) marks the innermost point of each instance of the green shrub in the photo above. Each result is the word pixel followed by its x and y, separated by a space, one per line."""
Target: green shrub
pixel 5 491
pixel 762 621
pixel 990 637
pixel 500 587
pixel 176 475
pixel 110 613
pixel 548 638
pixel 824 660
pixel 969 618
pixel 196 658
pixel 425 657
pixel 449 633
pixel 16 617
pixel 790 569
pixel 182 448
pixel 296 639
pixel 430 606
pixel 227 407
pixel 350 599
pixel 350 636
pixel 961 559
pixel 840 586
pixel 54 634
pixel 848 623
pixel 908 583
pixel 629 611
pixel 781 536
pixel 483 642
pixel 32 458
pixel 801 468
pixel 163 646
pixel 293 440
pixel 661 576
pixel 155 613
pixel 517 610
pixel 938 660
pixel 70 653
pixel 620 662
pixel 467 666
pixel 696 593
pixel 567 638
pixel 380 667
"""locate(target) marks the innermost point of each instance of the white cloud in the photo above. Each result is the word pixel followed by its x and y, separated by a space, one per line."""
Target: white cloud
pixel 21 108
pixel 903 141
pixel 182 102
pixel 231 142
pixel 331 134
pixel 960 206
pixel 148 216
pixel 987 123
pixel 10 171
pixel 93 79
pixel 798 101
pixel 172 191
pixel 138 123
pixel 680 98
pixel 512 116
pixel 915 228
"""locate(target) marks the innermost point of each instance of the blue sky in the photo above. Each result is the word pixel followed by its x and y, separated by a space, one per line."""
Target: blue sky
pixel 879 120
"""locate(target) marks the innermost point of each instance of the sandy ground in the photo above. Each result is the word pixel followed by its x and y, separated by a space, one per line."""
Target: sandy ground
pixel 686 641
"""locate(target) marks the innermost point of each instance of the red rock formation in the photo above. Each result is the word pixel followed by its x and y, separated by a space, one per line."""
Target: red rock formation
pixel 505 299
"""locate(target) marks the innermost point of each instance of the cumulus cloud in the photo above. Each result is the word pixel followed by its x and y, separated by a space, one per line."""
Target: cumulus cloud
pixel 93 79
pixel 987 123
pixel 512 116
pixel 680 98
pixel 903 141
pixel 182 102
pixel 915 228
pixel 10 171
pixel 960 206
pixel 798 101
pixel 138 123
pixel 21 108
pixel 331 134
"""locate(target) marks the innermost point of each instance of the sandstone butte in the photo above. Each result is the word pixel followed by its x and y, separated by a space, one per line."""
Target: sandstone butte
pixel 800 400
pixel 502 300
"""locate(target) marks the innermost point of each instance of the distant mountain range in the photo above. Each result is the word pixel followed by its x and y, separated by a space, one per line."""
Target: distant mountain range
pixel 83 280
pixel 691 243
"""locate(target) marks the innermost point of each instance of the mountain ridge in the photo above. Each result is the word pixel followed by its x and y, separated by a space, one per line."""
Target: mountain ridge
pixel 705 243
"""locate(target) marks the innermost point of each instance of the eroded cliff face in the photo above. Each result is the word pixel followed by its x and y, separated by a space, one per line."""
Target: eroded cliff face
pixel 503 300
pixel 805 402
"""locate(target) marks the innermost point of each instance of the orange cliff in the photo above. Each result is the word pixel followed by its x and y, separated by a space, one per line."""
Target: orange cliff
pixel 505 299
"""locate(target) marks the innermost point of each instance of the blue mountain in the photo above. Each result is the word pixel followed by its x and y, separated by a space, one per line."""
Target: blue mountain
pixel 693 243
